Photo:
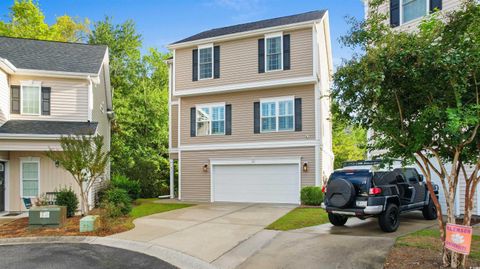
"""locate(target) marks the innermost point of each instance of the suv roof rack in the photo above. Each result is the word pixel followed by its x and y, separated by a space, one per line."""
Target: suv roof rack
pixel 361 163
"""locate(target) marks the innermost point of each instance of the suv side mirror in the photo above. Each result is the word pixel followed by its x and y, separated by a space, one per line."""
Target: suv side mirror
pixel 421 178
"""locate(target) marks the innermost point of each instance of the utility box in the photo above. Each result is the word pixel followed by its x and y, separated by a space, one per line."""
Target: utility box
pixel 51 216
pixel 89 223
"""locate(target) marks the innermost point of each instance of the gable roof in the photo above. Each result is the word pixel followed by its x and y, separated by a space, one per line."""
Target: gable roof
pixel 52 56
pixel 303 17
pixel 37 127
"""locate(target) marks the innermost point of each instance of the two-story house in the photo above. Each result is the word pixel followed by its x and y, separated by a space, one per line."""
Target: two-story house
pixel 250 110
pixel 406 15
pixel 47 90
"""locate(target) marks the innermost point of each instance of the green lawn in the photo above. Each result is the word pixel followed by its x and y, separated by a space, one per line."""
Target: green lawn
pixel 430 239
pixel 145 207
pixel 300 217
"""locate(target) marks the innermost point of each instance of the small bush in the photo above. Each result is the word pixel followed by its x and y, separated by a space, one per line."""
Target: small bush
pixel 67 197
pixel 117 199
pixel 131 186
pixel 311 196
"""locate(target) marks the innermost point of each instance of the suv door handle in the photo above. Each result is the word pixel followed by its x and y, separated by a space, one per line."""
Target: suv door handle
pixel 410 187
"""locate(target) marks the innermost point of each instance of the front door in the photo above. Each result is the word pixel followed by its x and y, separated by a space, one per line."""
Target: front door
pixel 2 186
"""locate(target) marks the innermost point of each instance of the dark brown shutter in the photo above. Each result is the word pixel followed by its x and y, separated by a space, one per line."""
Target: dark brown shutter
pixel 298 114
pixel 195 65
pixel 435 4
pixel 15 100
pixel 261 55
pixel 394 13
pixel 46 100
pixel 228 119
pixel 256 117
pixel 193 122
pixel 216 62
pixel 286 52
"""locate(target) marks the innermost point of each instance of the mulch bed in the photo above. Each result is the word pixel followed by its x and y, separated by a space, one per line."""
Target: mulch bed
pixel 401 257
pixel 19 228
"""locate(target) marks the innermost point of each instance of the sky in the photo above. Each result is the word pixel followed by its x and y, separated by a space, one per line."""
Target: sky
pixel 161 22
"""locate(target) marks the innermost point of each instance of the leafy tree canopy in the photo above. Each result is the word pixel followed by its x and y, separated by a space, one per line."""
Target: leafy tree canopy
pixel 26 20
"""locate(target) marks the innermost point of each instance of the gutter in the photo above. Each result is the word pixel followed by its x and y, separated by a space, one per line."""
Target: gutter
pixel 30 136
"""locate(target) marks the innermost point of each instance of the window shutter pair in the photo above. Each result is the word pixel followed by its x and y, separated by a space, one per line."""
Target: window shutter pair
pixel 228 120
pixel 286 54
pixel 395 10
pixel 216 63
pixel 297 116
pixel 44 100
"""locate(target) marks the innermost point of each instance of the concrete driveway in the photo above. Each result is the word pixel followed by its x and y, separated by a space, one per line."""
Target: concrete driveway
pixel 359 244
pixel 205 231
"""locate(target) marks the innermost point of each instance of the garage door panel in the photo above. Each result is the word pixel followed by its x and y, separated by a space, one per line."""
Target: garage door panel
pixel 256 183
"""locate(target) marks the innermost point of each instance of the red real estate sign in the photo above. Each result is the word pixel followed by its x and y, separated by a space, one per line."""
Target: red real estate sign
pixel 458 238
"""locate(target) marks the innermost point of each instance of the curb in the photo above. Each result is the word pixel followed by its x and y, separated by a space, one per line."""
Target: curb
pixel 171 256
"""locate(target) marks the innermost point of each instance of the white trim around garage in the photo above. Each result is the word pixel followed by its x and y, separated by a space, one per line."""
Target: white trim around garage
pixel 255 161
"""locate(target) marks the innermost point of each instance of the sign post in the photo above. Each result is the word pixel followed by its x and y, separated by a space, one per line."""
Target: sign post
pixel 458 238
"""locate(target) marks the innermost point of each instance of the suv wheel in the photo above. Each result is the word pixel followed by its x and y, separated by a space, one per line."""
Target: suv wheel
pixel 337 220
pixel 430 211
pixel 389 219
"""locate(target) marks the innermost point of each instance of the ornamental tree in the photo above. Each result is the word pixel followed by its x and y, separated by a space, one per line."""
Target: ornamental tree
pixel 85 158
pixel 419 94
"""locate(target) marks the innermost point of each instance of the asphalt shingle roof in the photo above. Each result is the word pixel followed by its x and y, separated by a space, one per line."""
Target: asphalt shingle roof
pixel 37 127
pixel 308 16
pixel 52 56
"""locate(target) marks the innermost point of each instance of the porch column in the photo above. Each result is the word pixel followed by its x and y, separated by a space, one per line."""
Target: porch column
pixel 172 179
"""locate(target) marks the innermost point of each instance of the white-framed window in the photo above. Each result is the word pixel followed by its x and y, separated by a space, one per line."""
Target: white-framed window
pixel 274 52
pixel 277 114
pixel 413 9
pixel 30 96
pixel 210 119
pixel 30 177
pixel 205 61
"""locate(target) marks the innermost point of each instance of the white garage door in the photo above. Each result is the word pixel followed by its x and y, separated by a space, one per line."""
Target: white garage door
pixel 262 183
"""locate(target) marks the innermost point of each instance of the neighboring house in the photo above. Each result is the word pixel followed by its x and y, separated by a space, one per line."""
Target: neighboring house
pixel 47 90
pixel 250 110
pixel 406 15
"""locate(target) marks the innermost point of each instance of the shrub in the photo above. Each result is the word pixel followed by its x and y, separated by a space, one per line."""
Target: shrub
pixel 311 196
pixel 131 186
pixel 67 197
pixel 117 199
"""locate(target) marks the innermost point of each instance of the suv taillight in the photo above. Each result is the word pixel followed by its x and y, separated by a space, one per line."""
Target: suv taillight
pixel 324 189
pixel 375 191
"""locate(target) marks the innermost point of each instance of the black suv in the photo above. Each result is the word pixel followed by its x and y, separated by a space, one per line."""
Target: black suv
pixel 358 190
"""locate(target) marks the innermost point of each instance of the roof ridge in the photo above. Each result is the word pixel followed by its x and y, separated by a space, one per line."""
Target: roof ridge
pixel 53 41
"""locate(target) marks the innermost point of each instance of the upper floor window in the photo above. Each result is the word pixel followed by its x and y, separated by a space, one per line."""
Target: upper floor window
pixel 273 52
pixel 205 62
pixel 31 101
pixel 210 119
pixel 277 114
pixel 413 9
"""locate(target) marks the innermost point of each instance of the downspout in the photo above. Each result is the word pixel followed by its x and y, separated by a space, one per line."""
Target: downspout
pixel 90 99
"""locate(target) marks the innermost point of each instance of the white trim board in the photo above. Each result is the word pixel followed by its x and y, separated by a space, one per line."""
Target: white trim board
pixel 251 145
pixel 247 86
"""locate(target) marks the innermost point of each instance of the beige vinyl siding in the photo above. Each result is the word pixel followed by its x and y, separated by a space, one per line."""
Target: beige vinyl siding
pixel 69 99
pixel 173 156
pixel 4 97
pixel 28 145
pixel 239 62
pixel 174 126
pixel 195 184
pixel 51 178
pixel 447 5
pixel 4 155
pixel 242 116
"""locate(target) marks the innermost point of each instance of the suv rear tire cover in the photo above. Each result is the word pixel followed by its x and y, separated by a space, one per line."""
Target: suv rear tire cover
pixel 340 192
